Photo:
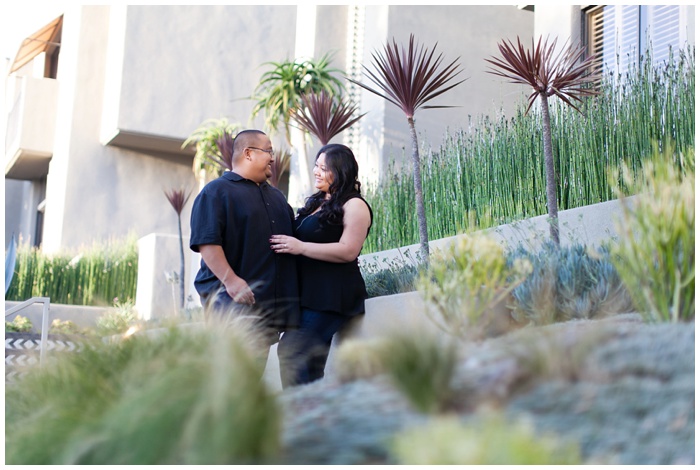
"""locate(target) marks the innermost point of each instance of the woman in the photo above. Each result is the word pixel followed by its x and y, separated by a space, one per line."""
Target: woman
pixel 329 232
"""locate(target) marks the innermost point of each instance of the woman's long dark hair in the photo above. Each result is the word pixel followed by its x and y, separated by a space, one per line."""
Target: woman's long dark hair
pixel 341 163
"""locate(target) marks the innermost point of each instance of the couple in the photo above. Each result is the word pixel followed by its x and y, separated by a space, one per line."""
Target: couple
pixel 301 275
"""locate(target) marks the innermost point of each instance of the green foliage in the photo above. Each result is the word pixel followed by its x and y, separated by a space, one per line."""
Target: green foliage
pixel 421 366
pixel 213 141
pixel 357 359
pixel 117 320
pixel 19 324
pixel 655 253
pixel 489 440
pixel 67 327
pixel 280 90
pixel 495 168
pixel 464 284
pixel 92 276
pixel 175 396
pixel 568 282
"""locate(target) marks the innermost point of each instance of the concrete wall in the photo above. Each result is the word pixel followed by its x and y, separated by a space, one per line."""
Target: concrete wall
pixel 96 192
pixel 21 201
pixel 181 64
pixel 82 316
pixel 155 296
pixel 558 21
pixel 590 225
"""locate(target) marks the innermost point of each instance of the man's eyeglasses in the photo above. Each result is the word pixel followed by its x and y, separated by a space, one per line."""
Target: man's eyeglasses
pixel 270 151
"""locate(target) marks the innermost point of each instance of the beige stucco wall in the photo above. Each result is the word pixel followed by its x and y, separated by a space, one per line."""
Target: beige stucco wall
pixel 172 74
pixel 183 64
pixel 96 192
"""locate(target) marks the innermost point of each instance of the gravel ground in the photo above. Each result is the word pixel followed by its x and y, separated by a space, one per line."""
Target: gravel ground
pixel 622 389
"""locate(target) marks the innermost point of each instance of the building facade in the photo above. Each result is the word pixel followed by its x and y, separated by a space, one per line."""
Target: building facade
pixel 100 99
pixel 96 120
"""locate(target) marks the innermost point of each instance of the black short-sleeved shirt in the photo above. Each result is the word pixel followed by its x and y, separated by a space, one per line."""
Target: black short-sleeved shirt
pixel 240 216
pixel 326 286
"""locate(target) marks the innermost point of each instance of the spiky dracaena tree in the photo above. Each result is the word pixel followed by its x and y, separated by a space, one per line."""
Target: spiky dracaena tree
pixel 178 199
pixel 324 116
pixel 549 73
pixel 410 79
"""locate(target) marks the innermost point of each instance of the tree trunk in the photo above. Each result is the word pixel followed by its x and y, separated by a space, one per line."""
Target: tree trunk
pixel 182 264
pixel 418 186
pixel 300 185
pixel 551 179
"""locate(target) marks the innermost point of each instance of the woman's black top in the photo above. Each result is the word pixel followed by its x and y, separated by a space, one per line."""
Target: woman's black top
pixel 326 286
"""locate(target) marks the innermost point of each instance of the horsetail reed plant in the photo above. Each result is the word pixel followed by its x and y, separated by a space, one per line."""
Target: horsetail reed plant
pixel 410 79
pixel 560 75
pixel 324 116
pixel 178 199
pixel 655 253
pixel 93 276
pixel 494 165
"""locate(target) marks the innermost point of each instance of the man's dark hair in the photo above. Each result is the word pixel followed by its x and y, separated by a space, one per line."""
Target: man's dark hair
pixel 243 139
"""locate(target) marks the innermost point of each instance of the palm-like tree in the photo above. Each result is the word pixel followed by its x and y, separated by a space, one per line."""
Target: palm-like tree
pixel 278 93
pixel 410 79
pixel 213 141
pixel 560 74
pixel 178 199
pixel 325 116
pixel 280 89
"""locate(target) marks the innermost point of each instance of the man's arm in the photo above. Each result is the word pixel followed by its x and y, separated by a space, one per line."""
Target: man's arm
pixel 236 287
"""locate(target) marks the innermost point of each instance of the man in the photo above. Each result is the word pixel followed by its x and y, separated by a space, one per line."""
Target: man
pixel 233 218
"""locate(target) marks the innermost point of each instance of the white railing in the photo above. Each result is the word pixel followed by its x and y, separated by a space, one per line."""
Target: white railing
pixel 44 321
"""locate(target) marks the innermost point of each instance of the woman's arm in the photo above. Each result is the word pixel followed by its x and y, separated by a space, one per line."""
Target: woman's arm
pixel 356 222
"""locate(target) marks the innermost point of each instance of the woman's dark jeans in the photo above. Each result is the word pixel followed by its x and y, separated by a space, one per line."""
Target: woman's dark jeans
pixel 303 352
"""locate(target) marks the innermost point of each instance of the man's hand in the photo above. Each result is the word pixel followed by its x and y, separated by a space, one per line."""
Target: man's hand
pixel 239 290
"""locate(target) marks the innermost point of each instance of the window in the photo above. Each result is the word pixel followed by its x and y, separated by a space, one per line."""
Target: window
pixel 618 34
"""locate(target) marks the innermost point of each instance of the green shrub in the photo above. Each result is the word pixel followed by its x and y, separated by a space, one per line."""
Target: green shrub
pixel 568 282
pixel 90 276
pixel 421 366
pixel 357 359
pixel 19 324
pixel 655 253
pixel 177 396
pixel 489 440
pixel 67 327
pixel 117 320
pixel 463 285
